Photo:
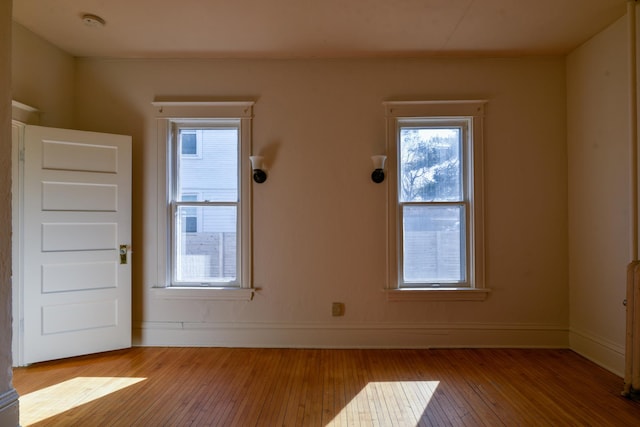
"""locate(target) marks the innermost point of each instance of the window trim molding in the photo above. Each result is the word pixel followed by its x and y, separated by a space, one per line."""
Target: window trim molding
pixel 396 111
pixel 437 294
pixel 167 113
pixel 204 293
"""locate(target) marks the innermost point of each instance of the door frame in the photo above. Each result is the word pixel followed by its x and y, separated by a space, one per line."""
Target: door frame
pixel 21 115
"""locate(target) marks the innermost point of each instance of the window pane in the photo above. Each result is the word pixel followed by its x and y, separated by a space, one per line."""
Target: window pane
pixel 213 176
pixel 190 224
pixel 208 254
pixel 430 168
pixel 433 240
pixel 189 143
pixel 190 213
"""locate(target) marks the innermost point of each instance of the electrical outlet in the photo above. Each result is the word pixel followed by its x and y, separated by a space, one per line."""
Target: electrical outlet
pixel 337 309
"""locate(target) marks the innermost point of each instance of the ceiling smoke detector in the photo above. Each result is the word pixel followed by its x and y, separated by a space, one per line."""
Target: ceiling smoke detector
pixel 92 20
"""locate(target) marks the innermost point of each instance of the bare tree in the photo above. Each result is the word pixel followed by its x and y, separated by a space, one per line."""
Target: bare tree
pixel 430 166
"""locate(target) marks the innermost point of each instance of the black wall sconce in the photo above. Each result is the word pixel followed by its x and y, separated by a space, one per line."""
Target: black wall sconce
pixel 377 175
pixel 259 175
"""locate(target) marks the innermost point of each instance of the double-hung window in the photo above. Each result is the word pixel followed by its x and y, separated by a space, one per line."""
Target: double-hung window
pixel 206 189
pixel 435 187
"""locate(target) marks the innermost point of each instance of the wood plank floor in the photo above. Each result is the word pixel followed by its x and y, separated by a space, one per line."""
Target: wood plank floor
pixel 293 387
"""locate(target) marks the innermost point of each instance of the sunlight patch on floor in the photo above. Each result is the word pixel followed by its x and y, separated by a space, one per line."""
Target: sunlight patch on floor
pixel 387 403
pixel 48 402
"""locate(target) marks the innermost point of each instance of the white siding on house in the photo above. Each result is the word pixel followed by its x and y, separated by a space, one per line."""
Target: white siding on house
pixel 212 175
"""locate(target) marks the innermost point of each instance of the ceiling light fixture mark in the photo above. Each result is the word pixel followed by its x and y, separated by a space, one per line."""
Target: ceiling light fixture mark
pixel 93 20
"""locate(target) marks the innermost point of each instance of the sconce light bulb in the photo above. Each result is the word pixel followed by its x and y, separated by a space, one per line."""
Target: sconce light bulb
pixel 256 162
pixel 378 161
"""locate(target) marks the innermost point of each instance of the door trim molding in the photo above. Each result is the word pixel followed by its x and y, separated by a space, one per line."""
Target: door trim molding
pixel 24 113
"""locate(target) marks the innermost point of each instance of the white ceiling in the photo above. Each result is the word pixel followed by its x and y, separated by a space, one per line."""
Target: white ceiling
pixel 316 28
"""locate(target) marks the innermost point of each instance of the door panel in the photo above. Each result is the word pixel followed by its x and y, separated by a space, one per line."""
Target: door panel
pixel 76 236
pixel 78 276
pixel 67 318
pixel 77 214
pixel 95 157
pixel 59 196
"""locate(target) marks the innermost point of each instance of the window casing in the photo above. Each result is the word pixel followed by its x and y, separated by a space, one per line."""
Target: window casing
pixel 435 232
pixel 204 222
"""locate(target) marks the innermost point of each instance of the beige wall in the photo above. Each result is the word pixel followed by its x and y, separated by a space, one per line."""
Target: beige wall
pixel 599 201
pixel 319 221
pixel 43 77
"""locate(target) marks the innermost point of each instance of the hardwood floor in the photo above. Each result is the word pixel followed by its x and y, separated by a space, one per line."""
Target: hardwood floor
pixel 290 387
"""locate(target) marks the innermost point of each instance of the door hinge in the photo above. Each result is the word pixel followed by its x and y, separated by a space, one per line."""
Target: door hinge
pixel 21 155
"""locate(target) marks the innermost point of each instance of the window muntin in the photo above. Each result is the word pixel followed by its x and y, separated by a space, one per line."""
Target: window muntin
pixel 438 210
pixel 205 190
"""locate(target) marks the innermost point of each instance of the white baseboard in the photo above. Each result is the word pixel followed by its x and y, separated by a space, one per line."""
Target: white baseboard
pixel 366 335
pixel 9 413
pixel 599 350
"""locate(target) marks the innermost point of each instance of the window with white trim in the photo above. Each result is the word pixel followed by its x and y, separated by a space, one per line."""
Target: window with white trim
pixel 435 195
pixel 207 199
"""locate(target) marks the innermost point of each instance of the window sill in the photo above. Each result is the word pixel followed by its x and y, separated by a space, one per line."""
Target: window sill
pixel 211 294
pixel 437 294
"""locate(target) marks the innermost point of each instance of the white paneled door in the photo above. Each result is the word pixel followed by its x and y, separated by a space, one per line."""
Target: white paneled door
pixel 76 234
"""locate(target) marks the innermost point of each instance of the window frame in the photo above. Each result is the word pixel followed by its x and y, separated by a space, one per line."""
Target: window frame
pixel 399 113
pixel 177 157
pixel 169 113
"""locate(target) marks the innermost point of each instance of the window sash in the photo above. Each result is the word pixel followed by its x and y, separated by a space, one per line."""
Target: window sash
pixel 421 250
pixel 462 126
pixel 177 157
pixel 412 245
pixel 179 269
